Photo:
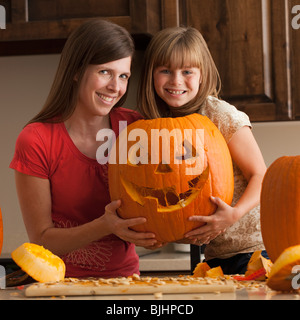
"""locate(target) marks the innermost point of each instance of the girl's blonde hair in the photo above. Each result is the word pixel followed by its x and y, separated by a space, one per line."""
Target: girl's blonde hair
pixel 95 42
pixel 178 47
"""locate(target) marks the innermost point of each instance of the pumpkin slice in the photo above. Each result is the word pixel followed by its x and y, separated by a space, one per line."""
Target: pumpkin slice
pixel 39 263
pixel 215 272
pixel 204 270
pixel 201 269
pixel 280 277
pixel 258 262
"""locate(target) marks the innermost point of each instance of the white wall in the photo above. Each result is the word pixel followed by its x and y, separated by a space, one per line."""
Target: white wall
pixel 277 139
pixel 24 85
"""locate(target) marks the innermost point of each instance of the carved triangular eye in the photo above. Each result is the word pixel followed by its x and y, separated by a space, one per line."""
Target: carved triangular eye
pixel 186 151
pixel 163 168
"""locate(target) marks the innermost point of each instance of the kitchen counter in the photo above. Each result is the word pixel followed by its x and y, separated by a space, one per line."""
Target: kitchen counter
pixel 163 263
pixel 239 294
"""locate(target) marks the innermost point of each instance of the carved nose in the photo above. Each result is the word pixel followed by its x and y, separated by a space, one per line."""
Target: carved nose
pixel 163 168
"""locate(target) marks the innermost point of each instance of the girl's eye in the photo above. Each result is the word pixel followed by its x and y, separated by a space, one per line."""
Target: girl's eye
pixel 187 72
pixel 165 71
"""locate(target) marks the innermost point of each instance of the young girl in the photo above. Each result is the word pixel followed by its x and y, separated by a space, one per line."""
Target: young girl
pixel 179 78
pixel 62 189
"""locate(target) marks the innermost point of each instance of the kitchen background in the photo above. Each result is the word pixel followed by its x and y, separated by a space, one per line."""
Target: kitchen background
pixel 252 42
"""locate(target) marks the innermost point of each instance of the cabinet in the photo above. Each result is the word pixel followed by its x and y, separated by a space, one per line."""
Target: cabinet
pixel 256 51
pixel 42 26
pixel 252 41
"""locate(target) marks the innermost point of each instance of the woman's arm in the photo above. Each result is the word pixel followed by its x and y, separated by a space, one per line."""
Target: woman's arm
pixel 247 155
pixel 35 201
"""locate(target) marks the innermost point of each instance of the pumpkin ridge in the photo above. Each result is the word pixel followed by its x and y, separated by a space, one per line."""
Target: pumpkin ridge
pixel 280 212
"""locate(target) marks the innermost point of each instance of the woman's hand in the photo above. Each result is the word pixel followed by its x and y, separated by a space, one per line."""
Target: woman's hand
pixel 121 228
pixel 224 217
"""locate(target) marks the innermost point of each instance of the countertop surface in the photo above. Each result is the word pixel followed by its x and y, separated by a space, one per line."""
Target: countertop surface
pixel 160 263
pixel 260 293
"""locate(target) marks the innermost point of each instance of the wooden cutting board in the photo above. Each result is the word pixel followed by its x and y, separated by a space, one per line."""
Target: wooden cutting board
pixel 131 285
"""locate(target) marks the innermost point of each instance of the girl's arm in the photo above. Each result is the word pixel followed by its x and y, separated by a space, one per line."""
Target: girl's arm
pixel 35 202
pixel 247 155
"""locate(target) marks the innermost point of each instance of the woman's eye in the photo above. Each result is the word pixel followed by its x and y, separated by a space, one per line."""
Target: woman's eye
pixel 104 72
pixel 124 76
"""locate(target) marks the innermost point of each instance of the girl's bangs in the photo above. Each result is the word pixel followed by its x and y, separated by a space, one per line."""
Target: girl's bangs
pixel 179 56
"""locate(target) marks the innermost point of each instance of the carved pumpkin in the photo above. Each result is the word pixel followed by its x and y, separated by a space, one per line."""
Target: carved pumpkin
pixel 39 263
pixel 168 192
pixel 1 232
pixel 280 206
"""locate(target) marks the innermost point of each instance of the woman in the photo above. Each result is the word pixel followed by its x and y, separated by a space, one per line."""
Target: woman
pixel 62 189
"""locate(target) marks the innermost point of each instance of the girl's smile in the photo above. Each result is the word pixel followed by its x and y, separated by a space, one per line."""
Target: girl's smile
pixel 176 86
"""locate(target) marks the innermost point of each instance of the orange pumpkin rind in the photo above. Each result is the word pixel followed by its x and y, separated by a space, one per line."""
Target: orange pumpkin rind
pixel 204 270
pixel 215 272
pixel 280 207
pixel 256 263
pixel 201 269
pixel 39 263
pixel 280 277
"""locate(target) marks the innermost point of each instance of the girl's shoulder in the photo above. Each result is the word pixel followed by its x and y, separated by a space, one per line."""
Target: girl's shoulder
pixel 225 116
pixel 221 108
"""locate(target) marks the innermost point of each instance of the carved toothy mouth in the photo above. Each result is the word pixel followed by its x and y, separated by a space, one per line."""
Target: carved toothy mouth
pixel 168 199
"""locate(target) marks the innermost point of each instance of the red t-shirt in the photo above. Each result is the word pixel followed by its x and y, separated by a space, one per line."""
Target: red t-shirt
pixel 79 189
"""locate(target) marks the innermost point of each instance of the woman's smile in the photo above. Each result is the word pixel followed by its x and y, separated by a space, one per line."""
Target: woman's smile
pixel 105 97
pixel 103 85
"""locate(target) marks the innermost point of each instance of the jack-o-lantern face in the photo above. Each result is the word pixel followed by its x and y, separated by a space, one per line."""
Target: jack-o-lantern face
pixel 168 199
pixel 168 178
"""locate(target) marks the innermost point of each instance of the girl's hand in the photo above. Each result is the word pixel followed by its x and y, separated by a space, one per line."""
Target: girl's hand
pixel 223 218
pixel 121 227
